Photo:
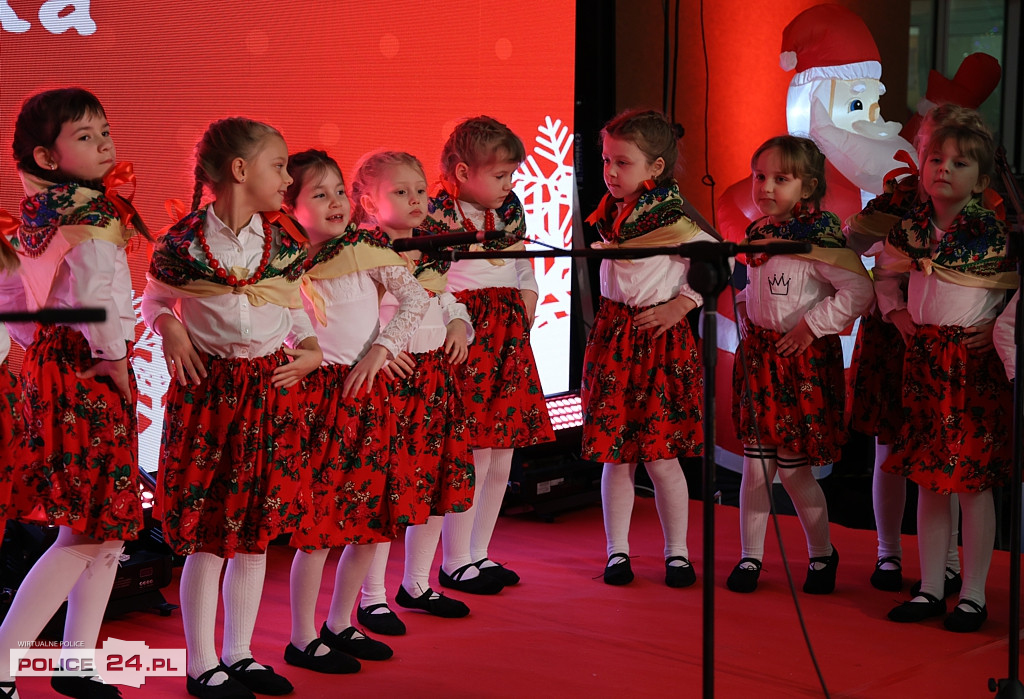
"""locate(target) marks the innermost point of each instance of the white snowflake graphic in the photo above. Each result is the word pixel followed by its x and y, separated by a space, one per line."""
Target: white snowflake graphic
pixel 544 183
pixel 153 381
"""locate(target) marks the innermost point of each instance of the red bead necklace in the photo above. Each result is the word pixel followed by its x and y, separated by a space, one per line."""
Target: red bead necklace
pixel 469 225
pixel 222 273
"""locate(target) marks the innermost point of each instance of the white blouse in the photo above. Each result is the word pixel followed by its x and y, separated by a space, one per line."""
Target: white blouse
pixel 649 281
pixel 787 288
pixel 930 300
pixel 481 274
pixel 353 314
pixel 433 330
pixel 229 325
pixel 1002 335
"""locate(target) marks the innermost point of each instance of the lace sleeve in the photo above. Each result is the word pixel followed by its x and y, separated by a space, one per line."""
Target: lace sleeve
pixel 413 302
pixel 452 309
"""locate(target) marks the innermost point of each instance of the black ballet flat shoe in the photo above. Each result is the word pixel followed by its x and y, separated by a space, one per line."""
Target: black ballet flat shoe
pixel 911 612
pixel 890 580
pixel 362 647
pixel 385 623
pixel 822 581
pixel 507 576
pixel 952 583
pixel 480 585
pixel 966 622
pixel 744 579
pixel 229 689
pixel 620 573
pixel 679 576
pixel 433 603
pixel 261 681
pixel 83 687
pixel 334 662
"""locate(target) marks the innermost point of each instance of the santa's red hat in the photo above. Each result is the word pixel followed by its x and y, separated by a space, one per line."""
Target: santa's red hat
pixel 829 41
pixel 974 81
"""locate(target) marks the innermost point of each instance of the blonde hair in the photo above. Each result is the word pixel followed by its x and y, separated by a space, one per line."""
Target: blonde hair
pixel 225 140
pixel 367 176
pixel 478 141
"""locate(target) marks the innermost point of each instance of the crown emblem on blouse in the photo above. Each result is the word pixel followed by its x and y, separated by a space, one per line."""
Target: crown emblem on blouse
pixel 779 285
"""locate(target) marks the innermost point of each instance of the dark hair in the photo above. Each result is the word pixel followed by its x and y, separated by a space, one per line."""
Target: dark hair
pixel 225 140
pixel 972 138
pixel 653 134
pixel 800 157
pixel 369 170
pixel 478 141
pixel 307 165
pixel 39 123
pixel 40 120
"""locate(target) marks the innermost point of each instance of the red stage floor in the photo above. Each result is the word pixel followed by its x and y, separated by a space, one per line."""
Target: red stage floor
pixel 563 633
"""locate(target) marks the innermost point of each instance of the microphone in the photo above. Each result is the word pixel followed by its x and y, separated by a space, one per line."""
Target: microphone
pixel 56 316
pixel 445 240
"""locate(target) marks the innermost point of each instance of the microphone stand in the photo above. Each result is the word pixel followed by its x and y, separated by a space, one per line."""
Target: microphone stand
pixel 1011 685
pixel 709 274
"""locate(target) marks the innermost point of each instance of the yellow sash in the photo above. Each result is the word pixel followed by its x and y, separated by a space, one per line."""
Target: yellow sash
pixel 844 258
pixel 350 259
pixel 277 290
pixel 498 262
pixel 1001 280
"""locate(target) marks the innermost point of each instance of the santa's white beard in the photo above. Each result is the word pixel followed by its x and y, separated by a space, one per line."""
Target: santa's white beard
pixel 865 156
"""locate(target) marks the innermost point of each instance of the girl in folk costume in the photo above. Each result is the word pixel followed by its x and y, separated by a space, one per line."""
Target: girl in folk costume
pixel 957 437
pixel 80 391
pixel 791 416
pixel 500 378
pixel 223 293
pixel 361 494
pixel 642 387
pixel 877 366
pixel 430 418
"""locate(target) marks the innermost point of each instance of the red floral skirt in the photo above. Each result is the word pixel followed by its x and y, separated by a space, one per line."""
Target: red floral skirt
pixel 798 401
pixel 358 493
pixel 642 395
pixel 430 436
pixel 86 477
pixel 505 405
pixel 958 436
pixel 233 458
pixel 16 450
pixel 877 368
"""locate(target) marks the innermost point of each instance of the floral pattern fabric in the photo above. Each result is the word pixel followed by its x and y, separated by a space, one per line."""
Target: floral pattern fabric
pixel 795 402
pixel 358 496
pixel 233 458
pixel 957 435
pixel 642 395
pixel 430 438
pixel 505 405
pixel 86 477
pixel 876 407
pixel 16 450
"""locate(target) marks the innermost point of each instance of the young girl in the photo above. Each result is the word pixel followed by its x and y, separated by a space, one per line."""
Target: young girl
pixel 361 494
pixel 79 387
pixel 499 378
pixel 642 386
pixel 223 294
pixel 430 436
pixel 877 366
pixel 790 417
pixel 957 437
